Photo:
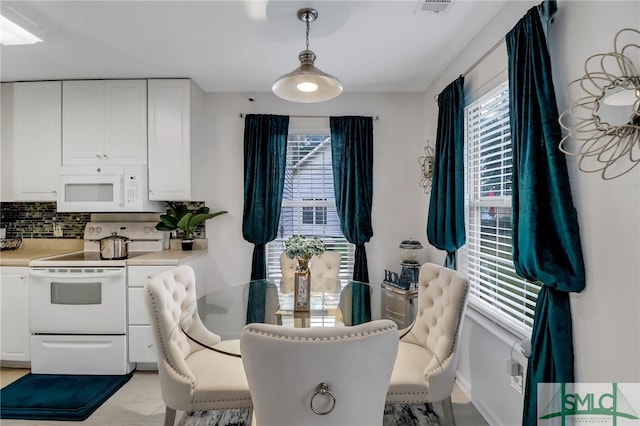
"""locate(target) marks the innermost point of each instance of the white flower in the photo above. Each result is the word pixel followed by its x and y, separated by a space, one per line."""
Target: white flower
pixel 299 247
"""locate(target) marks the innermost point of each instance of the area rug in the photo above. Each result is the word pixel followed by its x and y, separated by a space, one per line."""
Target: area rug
pixel 394 415
pixel 57 397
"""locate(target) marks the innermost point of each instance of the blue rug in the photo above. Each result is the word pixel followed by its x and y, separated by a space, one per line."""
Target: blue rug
pixel 57 397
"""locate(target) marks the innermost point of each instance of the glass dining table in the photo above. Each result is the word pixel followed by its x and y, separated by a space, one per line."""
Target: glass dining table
pixel 225 311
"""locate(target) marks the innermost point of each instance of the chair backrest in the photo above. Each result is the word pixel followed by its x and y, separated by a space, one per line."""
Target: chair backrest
pixel 285 366
pixel 288 269
pixel 324 270
pixel 167 294
pixel 344 316
pixel 442 295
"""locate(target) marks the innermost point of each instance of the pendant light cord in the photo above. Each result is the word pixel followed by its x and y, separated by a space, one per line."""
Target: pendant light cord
pixel 306 18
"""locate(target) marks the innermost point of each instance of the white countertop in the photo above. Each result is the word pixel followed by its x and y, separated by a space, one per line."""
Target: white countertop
pixel 37 248
pixel 44 247
pixel 164 258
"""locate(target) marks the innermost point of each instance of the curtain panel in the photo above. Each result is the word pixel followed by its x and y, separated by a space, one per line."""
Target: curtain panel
pixel 352 156
pixel 265 148
pixel 445 222
pixel 546 241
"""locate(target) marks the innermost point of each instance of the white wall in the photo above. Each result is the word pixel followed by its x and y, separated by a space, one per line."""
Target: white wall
pixel 605 315
pixel 399 205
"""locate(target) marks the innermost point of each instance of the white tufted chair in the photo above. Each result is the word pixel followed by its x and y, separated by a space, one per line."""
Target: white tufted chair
pixel 324 270
pixel 191 377
pixel 355 363
pixel 425 367
pixel 288 269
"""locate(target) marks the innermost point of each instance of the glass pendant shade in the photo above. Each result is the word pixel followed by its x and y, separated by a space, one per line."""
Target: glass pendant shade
pixel 307 84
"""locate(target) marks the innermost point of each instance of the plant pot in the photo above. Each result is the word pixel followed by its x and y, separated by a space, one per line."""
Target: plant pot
pixel 187 245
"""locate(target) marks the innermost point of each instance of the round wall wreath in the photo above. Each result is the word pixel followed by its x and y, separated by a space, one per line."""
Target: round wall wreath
pixel 604 117
pixel 426 166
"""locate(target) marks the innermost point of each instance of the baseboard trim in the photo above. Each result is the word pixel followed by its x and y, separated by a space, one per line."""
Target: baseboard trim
pixel 484 410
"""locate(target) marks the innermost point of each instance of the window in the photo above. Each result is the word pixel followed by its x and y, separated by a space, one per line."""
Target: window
pixel 314 215
pixel 308 204
pixel 486 259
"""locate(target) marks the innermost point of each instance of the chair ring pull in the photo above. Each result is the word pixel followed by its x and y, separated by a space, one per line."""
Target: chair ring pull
pixel 323 389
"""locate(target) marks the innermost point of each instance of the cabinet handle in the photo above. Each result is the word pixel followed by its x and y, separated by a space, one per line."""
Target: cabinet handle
pixel 106 157
pixel 150 346
pixel 99 156
pixel 54 192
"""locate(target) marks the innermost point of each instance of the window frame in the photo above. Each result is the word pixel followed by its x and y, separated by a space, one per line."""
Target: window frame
pixel 496 291
pixel 323 208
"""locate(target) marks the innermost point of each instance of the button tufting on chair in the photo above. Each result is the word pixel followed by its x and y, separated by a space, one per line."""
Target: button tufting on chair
pixel 425 367
pixel 323 269
pixel 191 377
pixel 335 376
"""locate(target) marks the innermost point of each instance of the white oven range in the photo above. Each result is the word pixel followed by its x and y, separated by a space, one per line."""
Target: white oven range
pixel 78 304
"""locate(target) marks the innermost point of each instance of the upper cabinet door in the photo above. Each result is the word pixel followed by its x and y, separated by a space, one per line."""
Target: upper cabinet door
pixel 36 140
pixel 125 131
pixel 170 139
pixel 104 122
pixel 82 122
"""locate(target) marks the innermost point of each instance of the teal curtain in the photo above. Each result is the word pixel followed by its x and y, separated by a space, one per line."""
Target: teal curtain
pixel 265 148
pixel 352 156
pixel 546 238
pixel 445 222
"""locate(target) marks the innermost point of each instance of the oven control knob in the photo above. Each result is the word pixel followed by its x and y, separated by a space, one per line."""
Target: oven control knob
pixel 91 229
pixel 98 229
pixel 147 229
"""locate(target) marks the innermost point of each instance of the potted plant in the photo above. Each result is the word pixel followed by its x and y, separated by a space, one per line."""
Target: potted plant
pixel 180 218
pixel 298 247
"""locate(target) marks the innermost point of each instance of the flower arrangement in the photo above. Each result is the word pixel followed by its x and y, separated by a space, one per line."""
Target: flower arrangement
pixel 298 247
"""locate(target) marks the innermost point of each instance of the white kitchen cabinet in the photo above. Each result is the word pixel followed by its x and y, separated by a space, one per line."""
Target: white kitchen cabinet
pixel 14 302
pixel 31 140
pixel 104 122
pixel 176 140
pixel 6 142
pixel 141 342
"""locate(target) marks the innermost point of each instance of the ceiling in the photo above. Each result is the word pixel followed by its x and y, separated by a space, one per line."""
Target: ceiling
pixel 242 46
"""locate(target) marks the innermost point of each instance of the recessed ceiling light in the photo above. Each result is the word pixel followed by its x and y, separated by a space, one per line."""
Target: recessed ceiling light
pixel 12 34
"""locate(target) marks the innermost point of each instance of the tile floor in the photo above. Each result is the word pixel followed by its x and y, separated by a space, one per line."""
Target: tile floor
pixel 139 403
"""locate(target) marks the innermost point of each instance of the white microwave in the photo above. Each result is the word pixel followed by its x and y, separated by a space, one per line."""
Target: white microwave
pixel 105 189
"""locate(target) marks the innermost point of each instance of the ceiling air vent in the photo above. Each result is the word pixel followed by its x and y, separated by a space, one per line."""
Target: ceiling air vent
pixel 434 6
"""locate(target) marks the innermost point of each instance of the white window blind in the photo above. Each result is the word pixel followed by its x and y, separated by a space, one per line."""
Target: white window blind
pixel 308 204
pixel 486 259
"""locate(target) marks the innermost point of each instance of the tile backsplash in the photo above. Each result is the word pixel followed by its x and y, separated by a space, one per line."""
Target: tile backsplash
pixel 37 220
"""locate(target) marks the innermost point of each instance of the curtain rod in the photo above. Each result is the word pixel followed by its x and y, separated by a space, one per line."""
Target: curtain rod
pixel 483 57
pixel 375 117
pixel 476 63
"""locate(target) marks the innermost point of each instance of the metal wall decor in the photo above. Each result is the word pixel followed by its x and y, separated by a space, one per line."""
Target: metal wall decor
pixel 426 167
pixel 604 116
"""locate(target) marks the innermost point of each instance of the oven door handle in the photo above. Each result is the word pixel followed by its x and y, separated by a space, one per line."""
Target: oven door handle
pixel 48 274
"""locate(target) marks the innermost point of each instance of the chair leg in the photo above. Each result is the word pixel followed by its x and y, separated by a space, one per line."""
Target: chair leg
pixel 169 416
pixel 447 409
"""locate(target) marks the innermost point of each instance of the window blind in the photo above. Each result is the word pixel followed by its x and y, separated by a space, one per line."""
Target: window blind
pixel 486 259
pixel 308 204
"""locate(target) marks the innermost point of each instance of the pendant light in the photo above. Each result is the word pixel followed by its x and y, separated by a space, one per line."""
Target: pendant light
pixel 307 83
